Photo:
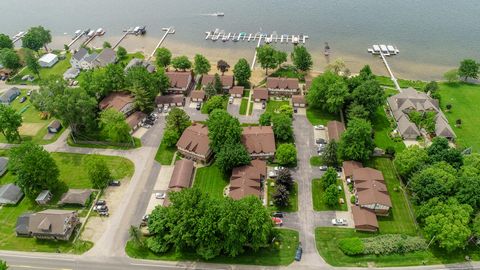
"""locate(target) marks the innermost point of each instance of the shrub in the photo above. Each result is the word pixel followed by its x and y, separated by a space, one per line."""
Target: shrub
pixel 390 150
pixel 352 199
pixel 393 243
pixel 351 246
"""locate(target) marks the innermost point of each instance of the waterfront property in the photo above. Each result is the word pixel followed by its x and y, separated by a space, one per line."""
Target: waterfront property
pixel 282 86
pixel 248 180
pixel 194 143
pixel 48 60
pixel 227 81
pixel 137 62
pixel 71 73
pixel 180 82
pixel 259 141
pixel 335 130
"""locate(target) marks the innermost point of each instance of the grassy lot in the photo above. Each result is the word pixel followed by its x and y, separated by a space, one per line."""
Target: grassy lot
pixel 399 220
pixel 464 99
pixel 203 109
pixel 386 81
pixel 287 72
pixel 58 69
pixel 243 106
pixel 105 144
pixel 211 180
pixel 293 199
pixel 273 105
pixel 316 161
pixel 318 117
pixel 317 197
pixel 130 56
pixel 34 128
pixel 251 108
pixel 165 154
pixel 246 93
pixel 278 254
pixel 382 129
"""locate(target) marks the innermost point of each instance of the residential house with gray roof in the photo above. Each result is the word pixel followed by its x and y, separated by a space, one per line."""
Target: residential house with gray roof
pixel 10 194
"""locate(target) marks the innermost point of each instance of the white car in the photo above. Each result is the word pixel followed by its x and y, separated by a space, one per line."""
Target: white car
pixel 160 195
pixel 339 222
pixel 230 100
pixel 272 174
pixel 319 127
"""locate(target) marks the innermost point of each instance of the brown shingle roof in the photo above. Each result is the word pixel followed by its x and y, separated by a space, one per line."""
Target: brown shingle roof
pixel 349 166
pixel 195 139
pixel 116 100
pixel 364 219
pixel 178 79
pixel 227 80
pixel 298 99
pixel 135 118
pixel 167 99
pixel 246 180
pixel 236 90
pixel 282 83
pixel 50 221
pixel 258 139
pixel 76 196
pixel 198 94
pixel 371 188
pixel 260 93
pixel 335 130
pixel 182 174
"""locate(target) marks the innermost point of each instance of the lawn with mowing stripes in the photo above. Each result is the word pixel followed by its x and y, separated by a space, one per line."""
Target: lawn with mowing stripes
pixel 382 129
pixel 318 117
pixel 211 180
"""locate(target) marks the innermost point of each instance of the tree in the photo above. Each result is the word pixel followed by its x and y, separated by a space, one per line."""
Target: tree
pixel 10 121
pixel 281 196
pixel 135 235
pixel 286 109
pixel 265 119
pixel 433 181
pixel 467 191
pixel 3 265
pixel 301 58
pixel 440 150
pixel 9 59
pixel 269 58
pixel 468 69
pixel 330 156
pixel 231 156
pixel 114 126
pixel 100 82
pixel 200 64
pixel 32 63
pixel 410 161
pixel 431 87
pixel 36 38
pixel 177 120
pixel 328 92
pixel 356 142
pixel 242 72
pixel 181 62
pixel 121 53
pixel 286 154
pixel 98 171
pixel 145 86
pixel 330 196
pixel 170 137
pixel 5 42
pixel 215 102
pixel 217 84
pixel 357 111
pixel 451 75
pixel 329 178
pixel 210 90
pixel 35 169
pixel 285 179
pixel 223 129
pixel 163 57
pixel 223 66
pixel 338 67
pixel 282 127
pixel 364 75
pixel 106 44
pixel 370 95
pixel 476 226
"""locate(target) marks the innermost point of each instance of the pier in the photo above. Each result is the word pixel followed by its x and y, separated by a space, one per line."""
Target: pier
pixel 75 39
pixel 255 55
pixel 18 36
pixel 386 50
pixel 168 31
pixel 268 38
pixel 138 30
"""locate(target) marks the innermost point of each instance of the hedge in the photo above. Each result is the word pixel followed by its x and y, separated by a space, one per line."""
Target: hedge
pixel 382 245
pixel 352 246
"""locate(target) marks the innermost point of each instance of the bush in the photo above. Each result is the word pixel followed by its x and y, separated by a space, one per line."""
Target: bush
pixel 393 243
pixel 390 150
pixel 351 246
pixel 353 199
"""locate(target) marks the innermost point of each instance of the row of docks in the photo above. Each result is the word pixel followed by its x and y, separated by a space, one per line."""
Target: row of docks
pixel 243 36
pixel 386 50
pixel 91 34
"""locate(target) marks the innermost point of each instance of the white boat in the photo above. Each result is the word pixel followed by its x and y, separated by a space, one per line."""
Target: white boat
pixel 78 32
pixel 100 32
pixel 91 33
pixel 136 28
pixel 295 39
pixel 391 49
pixel 383 48
pixel 376 48
pixel 370 51
pixel 219 14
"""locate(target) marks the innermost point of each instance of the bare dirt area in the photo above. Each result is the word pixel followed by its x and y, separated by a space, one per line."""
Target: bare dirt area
pixel 30 129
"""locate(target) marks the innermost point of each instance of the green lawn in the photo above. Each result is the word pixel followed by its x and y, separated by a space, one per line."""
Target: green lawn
pixel 130 56
pixel 273 105
pixel 317 197
pixel 281 252
pixel 293 199
pixel 58 69
pixel 211 180
pixel 316 161
pixel 250 108
pixel 318 117
pixel 165 154
pixel 386 81
pixel 34 127
pixel 246 93
pixel 400 220
pixel 203 109
pixel 243 106
pixel 287 72
pixel 464 99
pixel 382 129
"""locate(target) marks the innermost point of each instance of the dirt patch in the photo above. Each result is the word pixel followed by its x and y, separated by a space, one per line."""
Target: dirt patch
pixel 30 129
pixel 140 132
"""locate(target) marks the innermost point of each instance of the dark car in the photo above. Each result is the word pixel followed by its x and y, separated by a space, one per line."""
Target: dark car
pixel 295 110
pixel 320 141
pixel 277 214
pixel 114 183
pixel 264 104
pixel 104 213
pixel 23 99
pixel 298 253
pixel 199 105
pixel 100 202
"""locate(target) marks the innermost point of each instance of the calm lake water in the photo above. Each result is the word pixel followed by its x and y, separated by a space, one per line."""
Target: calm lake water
pixel 432 35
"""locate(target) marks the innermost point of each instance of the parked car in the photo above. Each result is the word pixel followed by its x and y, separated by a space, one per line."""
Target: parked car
pixel 114 183
pixel 298 253
pixel 103 213
pixel 339 222
pixel 272 174
pixel 29 93
pixel 278 168
pixel 160 195
pixel 160 109
pixel 295 110
pixel 100 202
pixel 145 218
pixel 23 99
pixel 319 127
pixel 320 141
pixel 277 214
pixel 323 168
pixel 264 104
pixel 199 105
pixel 277 221
pixel 230 100
pixel 100 208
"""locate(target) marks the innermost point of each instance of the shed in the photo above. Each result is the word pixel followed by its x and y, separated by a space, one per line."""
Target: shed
pixel 76 196
pixel 364 219
pixel 44 197
pixel 10 194
pixel 260 94
pixel 48 60
pixel 54 126
pixel 3 165
pixel 21 228
pixel 236 91
pixel 9 95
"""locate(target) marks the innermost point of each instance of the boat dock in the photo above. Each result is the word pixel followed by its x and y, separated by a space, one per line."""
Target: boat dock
pixel 243 36
pixel 255 55
pixel 18 36
pixel 138 30
pixel 77 36
pixel 383 51
pixel 168 31
pixel 92 34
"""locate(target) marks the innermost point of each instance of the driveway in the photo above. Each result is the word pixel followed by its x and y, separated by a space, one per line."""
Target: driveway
pixel 195 115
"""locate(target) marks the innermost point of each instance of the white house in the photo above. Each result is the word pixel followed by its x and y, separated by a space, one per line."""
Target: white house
pixel 48 60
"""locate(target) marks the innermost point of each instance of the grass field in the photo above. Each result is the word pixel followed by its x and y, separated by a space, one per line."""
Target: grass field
pixel 203 109
pixel 382 129
pixel 165 154
pixel 386 81
pixel 316 161
pixel 243 106
pixel 293 199
pixel 464 99
pixel 58 69
pixel 211 180
pixel 273 105
pixel 281 254
pixel 317 197
pixel 318 117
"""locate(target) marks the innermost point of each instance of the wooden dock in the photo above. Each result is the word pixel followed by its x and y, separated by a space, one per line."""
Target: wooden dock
pixel 242 36
pixel 18 37
pixel 255 55
pixel 168 31
pixel 121 39
pixel 75 39
pixel 392 77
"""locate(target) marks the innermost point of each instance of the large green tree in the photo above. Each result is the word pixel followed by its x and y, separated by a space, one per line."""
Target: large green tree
pixel 32 63
pixel 3 265
pixel 223 129
pixel 269 57
pixel 36 38
pixel 163 57
pixel 437 180
pixel 5 42
pixel 301 58
pixel 114 126
pixel 145 86
pixel 201 65
pixel 214 103
pixel 330 197
pixel 410 160
pixel 282 127
pixel 328 92
pixel 181 62
pixel 242 72
pixel 121 53
pixel 231 156
pixel 370 95
pixel 286 154
pixel 440 150
pixel 98 171
pixel 177 120
pixel 328 178
pixel 10 121
pixel 10 59
pixel 467 191
pixel 330 156
pixel 468 69
pixel 357 142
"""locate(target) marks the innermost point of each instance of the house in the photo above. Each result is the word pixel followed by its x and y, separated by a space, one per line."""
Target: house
pixel 371 190
pixel 48 60
pixel 53 224
pixel 410 100
pixel 54 126
pixel 364 219
pixel 197 96
pixel 259 141
pixel 137 62
pixel 181 177
pixel 260 94
pixel 76 196
pixel 227 81
pixel 299 101
pixel 180 82
pixel 248 180
pixel 3 165
pixel 71 73
pixel 78 58
pixel 10 194
pixel 44 197
pixel 194 143
pixel 282 86
pixel 10 95
pixel 306 87
pixel 335 130
pixel 120 101
pixel 236 91
pixel 21 227
pixel 89 61
pixel 135 119
pixel 105 57
pixel 348 167
pixel 170 100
